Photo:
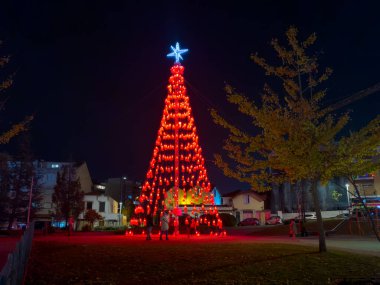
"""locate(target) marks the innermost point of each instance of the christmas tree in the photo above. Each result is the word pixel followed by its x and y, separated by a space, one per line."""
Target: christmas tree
pixel 177 174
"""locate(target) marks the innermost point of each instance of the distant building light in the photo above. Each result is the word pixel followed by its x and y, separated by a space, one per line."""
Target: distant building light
pixel 55 166
pixel 100 187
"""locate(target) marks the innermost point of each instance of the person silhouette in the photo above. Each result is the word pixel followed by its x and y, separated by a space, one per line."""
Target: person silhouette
pixel 149 226
pixel 165 225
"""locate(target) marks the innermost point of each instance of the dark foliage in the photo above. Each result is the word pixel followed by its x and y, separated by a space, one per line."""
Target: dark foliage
pixel 228 220
pixel 18 175
pixel 68 196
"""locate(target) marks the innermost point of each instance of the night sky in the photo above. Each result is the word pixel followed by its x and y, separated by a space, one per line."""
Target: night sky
pixel 94 73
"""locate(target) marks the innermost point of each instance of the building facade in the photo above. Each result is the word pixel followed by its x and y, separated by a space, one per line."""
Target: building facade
pixel 107 207
pixel 246 204
pixel 369 189
pixel 47 172
pixel 289 198
pixel 121 189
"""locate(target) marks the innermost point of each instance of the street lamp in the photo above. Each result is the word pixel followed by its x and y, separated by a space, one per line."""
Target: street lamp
pixel 120 205
pixel 348 195
pixel 122 185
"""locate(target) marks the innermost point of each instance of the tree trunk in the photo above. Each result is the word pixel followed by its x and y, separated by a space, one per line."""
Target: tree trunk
pixel 67 225
pixel 12 215
pixel 11 219
pixel 373 226
pixel 321 230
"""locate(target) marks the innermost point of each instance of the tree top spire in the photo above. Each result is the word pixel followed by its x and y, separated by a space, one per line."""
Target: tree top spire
pixel 177 53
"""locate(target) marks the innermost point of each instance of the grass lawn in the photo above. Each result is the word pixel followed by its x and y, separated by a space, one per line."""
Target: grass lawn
pixel 107 259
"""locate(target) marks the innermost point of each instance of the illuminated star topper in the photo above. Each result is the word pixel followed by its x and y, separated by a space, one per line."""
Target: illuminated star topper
pixel 177 52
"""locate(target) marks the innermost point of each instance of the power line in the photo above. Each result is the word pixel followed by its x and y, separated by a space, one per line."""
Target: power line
pixel 355 97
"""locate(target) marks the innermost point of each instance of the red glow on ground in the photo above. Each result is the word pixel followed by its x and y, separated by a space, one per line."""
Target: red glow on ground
pixel 129 237
pixel 7 245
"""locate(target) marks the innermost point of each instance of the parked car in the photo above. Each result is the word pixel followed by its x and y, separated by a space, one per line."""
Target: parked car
pixel 274 220
pixel 249 222
pixel 298 218
pixel 310 216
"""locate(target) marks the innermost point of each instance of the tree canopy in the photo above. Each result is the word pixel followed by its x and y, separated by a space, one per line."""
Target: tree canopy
pixel 295 133
pixel 5 84
pixel 68 196
pixel 18 177
pixel 91 216
pixel 297 137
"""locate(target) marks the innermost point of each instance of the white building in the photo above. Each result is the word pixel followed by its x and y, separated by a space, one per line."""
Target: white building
pixel 47 171
pixel 105 206
pixel 246 204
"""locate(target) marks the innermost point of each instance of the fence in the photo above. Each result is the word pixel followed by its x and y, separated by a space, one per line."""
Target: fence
pixel 14 269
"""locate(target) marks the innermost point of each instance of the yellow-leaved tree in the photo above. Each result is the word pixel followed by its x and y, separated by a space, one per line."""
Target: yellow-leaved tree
pixel 11 131
pixel 359 154
pixel 297 137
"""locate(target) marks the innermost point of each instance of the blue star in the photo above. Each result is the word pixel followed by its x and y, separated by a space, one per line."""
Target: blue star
pixel 177 52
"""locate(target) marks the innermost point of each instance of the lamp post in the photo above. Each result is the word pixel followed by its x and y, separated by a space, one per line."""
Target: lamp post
pixel 123 188
pixel 122 184
pixel 120 205
pixel 348 195
pixel 30 203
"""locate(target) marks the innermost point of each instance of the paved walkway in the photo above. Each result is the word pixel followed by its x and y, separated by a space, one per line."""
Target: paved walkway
pixel 370 246
pixel 353 244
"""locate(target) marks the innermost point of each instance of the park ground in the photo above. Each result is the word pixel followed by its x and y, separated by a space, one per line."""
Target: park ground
pixel 7 245
pixel 245 256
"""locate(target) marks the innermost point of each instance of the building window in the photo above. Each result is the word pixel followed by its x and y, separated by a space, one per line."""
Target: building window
pixel 89 206
pixel 246 199
pixel 47 206
pixel 102 207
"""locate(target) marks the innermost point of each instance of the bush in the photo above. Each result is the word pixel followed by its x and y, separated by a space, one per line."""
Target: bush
pixel 204 229
pixel 109 228
pixel 228 220
pixel 120 231
pixel 13 233
pixel 86 228
pixel 50 230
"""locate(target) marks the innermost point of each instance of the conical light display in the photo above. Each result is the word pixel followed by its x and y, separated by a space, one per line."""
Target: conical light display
pixel 177 173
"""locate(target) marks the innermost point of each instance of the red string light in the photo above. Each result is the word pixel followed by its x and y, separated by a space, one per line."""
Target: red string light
pixel 177 160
